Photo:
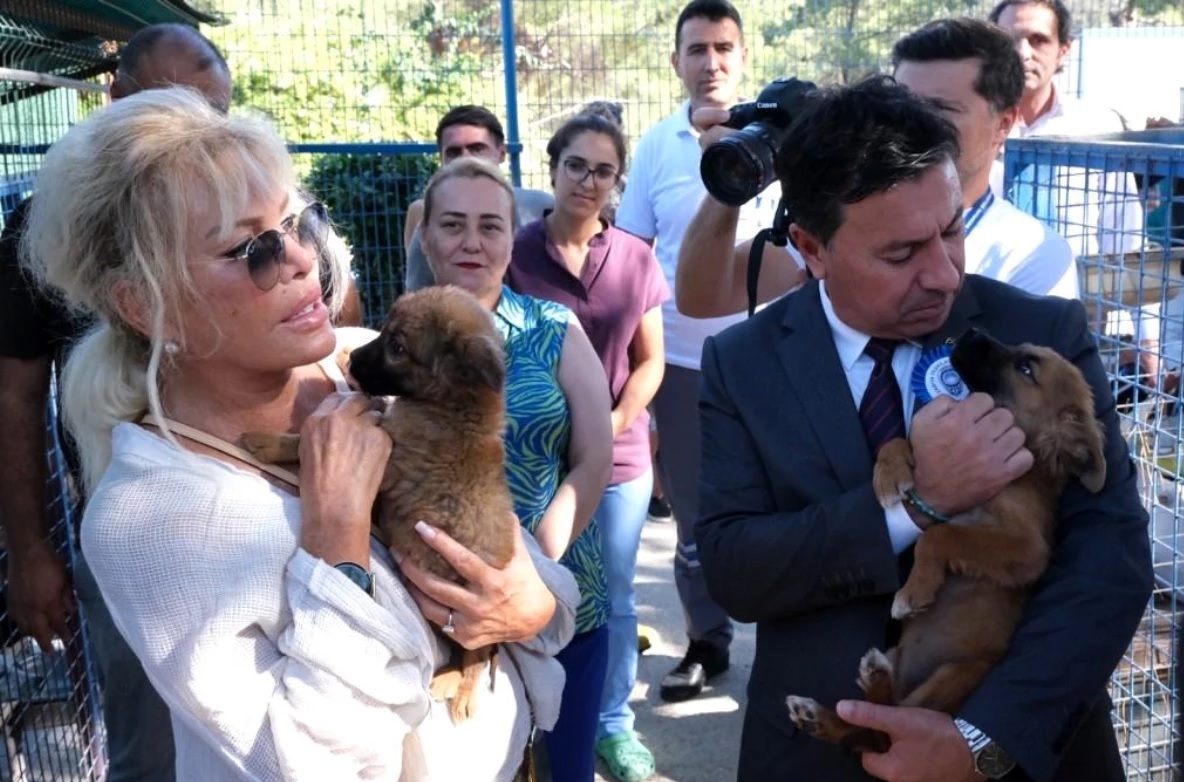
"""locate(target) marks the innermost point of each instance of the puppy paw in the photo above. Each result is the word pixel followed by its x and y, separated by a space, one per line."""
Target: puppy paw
pixel 893 474
pixel 907 604
pixel 805 713
pixel 271 447
pixel 463 705
pixel 343 362
pixel 445 684
pixel 875 677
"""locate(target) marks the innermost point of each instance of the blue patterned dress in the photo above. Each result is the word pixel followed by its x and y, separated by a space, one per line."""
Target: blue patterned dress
pixel 538 431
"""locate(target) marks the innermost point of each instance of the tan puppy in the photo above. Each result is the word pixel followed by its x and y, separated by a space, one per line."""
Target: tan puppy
pixel 973 575
pixel 440 353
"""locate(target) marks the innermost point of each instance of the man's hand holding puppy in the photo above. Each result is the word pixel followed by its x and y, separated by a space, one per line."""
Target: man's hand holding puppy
pixel 965 453
pixel 926 746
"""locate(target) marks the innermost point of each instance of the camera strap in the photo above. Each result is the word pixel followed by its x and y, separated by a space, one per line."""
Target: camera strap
pixel 778 236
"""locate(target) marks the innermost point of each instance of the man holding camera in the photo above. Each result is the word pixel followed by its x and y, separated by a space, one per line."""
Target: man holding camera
pixel 795 401
pixel 664 188
pixel 968 70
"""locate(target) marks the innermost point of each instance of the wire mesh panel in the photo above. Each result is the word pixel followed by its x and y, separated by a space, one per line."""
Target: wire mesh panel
pixel 50 713
pixel 1120 201
pixel 385 71
pixel 49 705
pixel 368 188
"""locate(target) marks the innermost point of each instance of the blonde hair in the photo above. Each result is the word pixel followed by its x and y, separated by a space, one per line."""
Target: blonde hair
pixel 110 218
pixel 468 167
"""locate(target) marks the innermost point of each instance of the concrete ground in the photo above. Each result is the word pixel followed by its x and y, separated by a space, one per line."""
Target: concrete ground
pixel 697 740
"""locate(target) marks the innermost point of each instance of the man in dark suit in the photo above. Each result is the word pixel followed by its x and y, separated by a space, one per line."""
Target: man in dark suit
pixel 790 534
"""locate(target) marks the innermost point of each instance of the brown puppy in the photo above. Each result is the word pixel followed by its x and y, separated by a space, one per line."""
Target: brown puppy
pixel 973 575
pixel 441 355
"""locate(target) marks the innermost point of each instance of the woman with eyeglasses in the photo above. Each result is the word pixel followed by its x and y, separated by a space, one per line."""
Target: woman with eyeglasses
pixel 276 629
pixel 613 283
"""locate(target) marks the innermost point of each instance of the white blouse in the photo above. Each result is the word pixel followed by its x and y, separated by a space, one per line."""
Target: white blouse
pixel 274 665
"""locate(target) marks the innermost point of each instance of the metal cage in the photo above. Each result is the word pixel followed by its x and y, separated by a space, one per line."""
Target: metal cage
pixel 1119 200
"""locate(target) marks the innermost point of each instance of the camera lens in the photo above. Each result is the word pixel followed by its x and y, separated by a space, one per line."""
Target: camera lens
pixel 739 167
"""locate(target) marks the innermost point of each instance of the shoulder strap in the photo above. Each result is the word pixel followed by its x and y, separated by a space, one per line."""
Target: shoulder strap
pixel 218 444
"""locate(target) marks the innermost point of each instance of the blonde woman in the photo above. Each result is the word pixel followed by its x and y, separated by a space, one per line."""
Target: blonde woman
pixel 273 626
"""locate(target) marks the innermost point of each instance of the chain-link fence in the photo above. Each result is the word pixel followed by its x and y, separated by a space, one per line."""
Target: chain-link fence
pixel 1120 202
pixel 365 78
pixel 357 87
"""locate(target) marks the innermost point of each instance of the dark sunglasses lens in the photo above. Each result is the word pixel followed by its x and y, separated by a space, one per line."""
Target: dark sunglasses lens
pixel 263 259
pixel 313 225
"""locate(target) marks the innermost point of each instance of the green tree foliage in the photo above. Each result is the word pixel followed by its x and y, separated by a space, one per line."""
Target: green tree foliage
pixel 350 70
pixel 367 197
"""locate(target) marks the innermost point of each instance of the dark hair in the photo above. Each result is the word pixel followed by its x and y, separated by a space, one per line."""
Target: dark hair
pixel 713 10
pixel 1000 74
pixel 471 115
pixel 1059 10
pixel 855 142
pixel 587 123
pixel 145 40
pixel 611 110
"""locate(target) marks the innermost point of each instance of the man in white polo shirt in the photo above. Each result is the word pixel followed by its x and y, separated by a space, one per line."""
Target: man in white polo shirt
pixel 664 190
pixel 1098 212
pixel 969 72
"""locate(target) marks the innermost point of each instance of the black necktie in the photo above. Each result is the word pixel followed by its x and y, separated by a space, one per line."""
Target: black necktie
pixel 882 409
pixel 882 414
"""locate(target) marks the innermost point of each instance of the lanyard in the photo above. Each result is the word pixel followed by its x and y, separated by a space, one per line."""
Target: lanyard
pixel 980 207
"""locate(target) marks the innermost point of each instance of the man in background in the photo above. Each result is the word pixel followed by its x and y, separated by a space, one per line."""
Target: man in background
pixel 968 70
pixel 658 205
pixel 465 131
pixel 1097 212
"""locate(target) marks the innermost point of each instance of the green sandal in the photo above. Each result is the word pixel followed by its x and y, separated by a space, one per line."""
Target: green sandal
pixel 626 757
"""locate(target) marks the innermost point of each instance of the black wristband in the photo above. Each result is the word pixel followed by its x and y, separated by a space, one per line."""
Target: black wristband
pixel 910 498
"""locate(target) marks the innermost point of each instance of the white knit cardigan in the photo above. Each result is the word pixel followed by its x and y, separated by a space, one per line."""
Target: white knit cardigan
pixel 273 664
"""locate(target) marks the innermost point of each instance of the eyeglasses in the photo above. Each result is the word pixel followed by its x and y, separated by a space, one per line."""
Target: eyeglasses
pixel 265 252
pixel 577 171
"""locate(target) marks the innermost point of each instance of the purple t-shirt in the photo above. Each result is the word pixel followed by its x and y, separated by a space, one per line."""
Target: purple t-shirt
pixel 622 281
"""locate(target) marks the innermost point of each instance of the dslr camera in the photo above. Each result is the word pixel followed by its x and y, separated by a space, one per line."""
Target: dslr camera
pixel 738 167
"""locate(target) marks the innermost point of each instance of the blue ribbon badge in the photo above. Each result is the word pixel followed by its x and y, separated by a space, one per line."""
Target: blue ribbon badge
pixel 934 375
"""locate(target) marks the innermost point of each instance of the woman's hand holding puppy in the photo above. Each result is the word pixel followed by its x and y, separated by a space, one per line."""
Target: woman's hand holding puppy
pixel 493 605
pixel 343 454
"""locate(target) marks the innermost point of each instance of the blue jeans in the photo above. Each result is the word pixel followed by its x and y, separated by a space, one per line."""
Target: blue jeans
pixel 620 516
pixel 139 727
pixel 571 744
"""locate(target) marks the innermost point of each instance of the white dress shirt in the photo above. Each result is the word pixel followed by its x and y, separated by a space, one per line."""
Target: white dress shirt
pixel 858 367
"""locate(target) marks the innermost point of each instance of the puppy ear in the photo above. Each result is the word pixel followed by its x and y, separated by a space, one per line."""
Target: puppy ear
pixel 1083 447
pixel 484 361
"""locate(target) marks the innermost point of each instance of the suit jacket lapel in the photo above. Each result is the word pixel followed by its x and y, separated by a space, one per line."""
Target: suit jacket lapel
pixel 808 354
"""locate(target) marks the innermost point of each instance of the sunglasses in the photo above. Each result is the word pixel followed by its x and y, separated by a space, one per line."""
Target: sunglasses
pixel 264 253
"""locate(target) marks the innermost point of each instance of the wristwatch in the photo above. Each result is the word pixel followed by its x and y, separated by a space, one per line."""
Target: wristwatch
pixel 357 574
pixel 990 759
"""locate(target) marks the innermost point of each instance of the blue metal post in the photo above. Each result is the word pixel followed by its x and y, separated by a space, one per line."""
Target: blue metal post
pixel 509 51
